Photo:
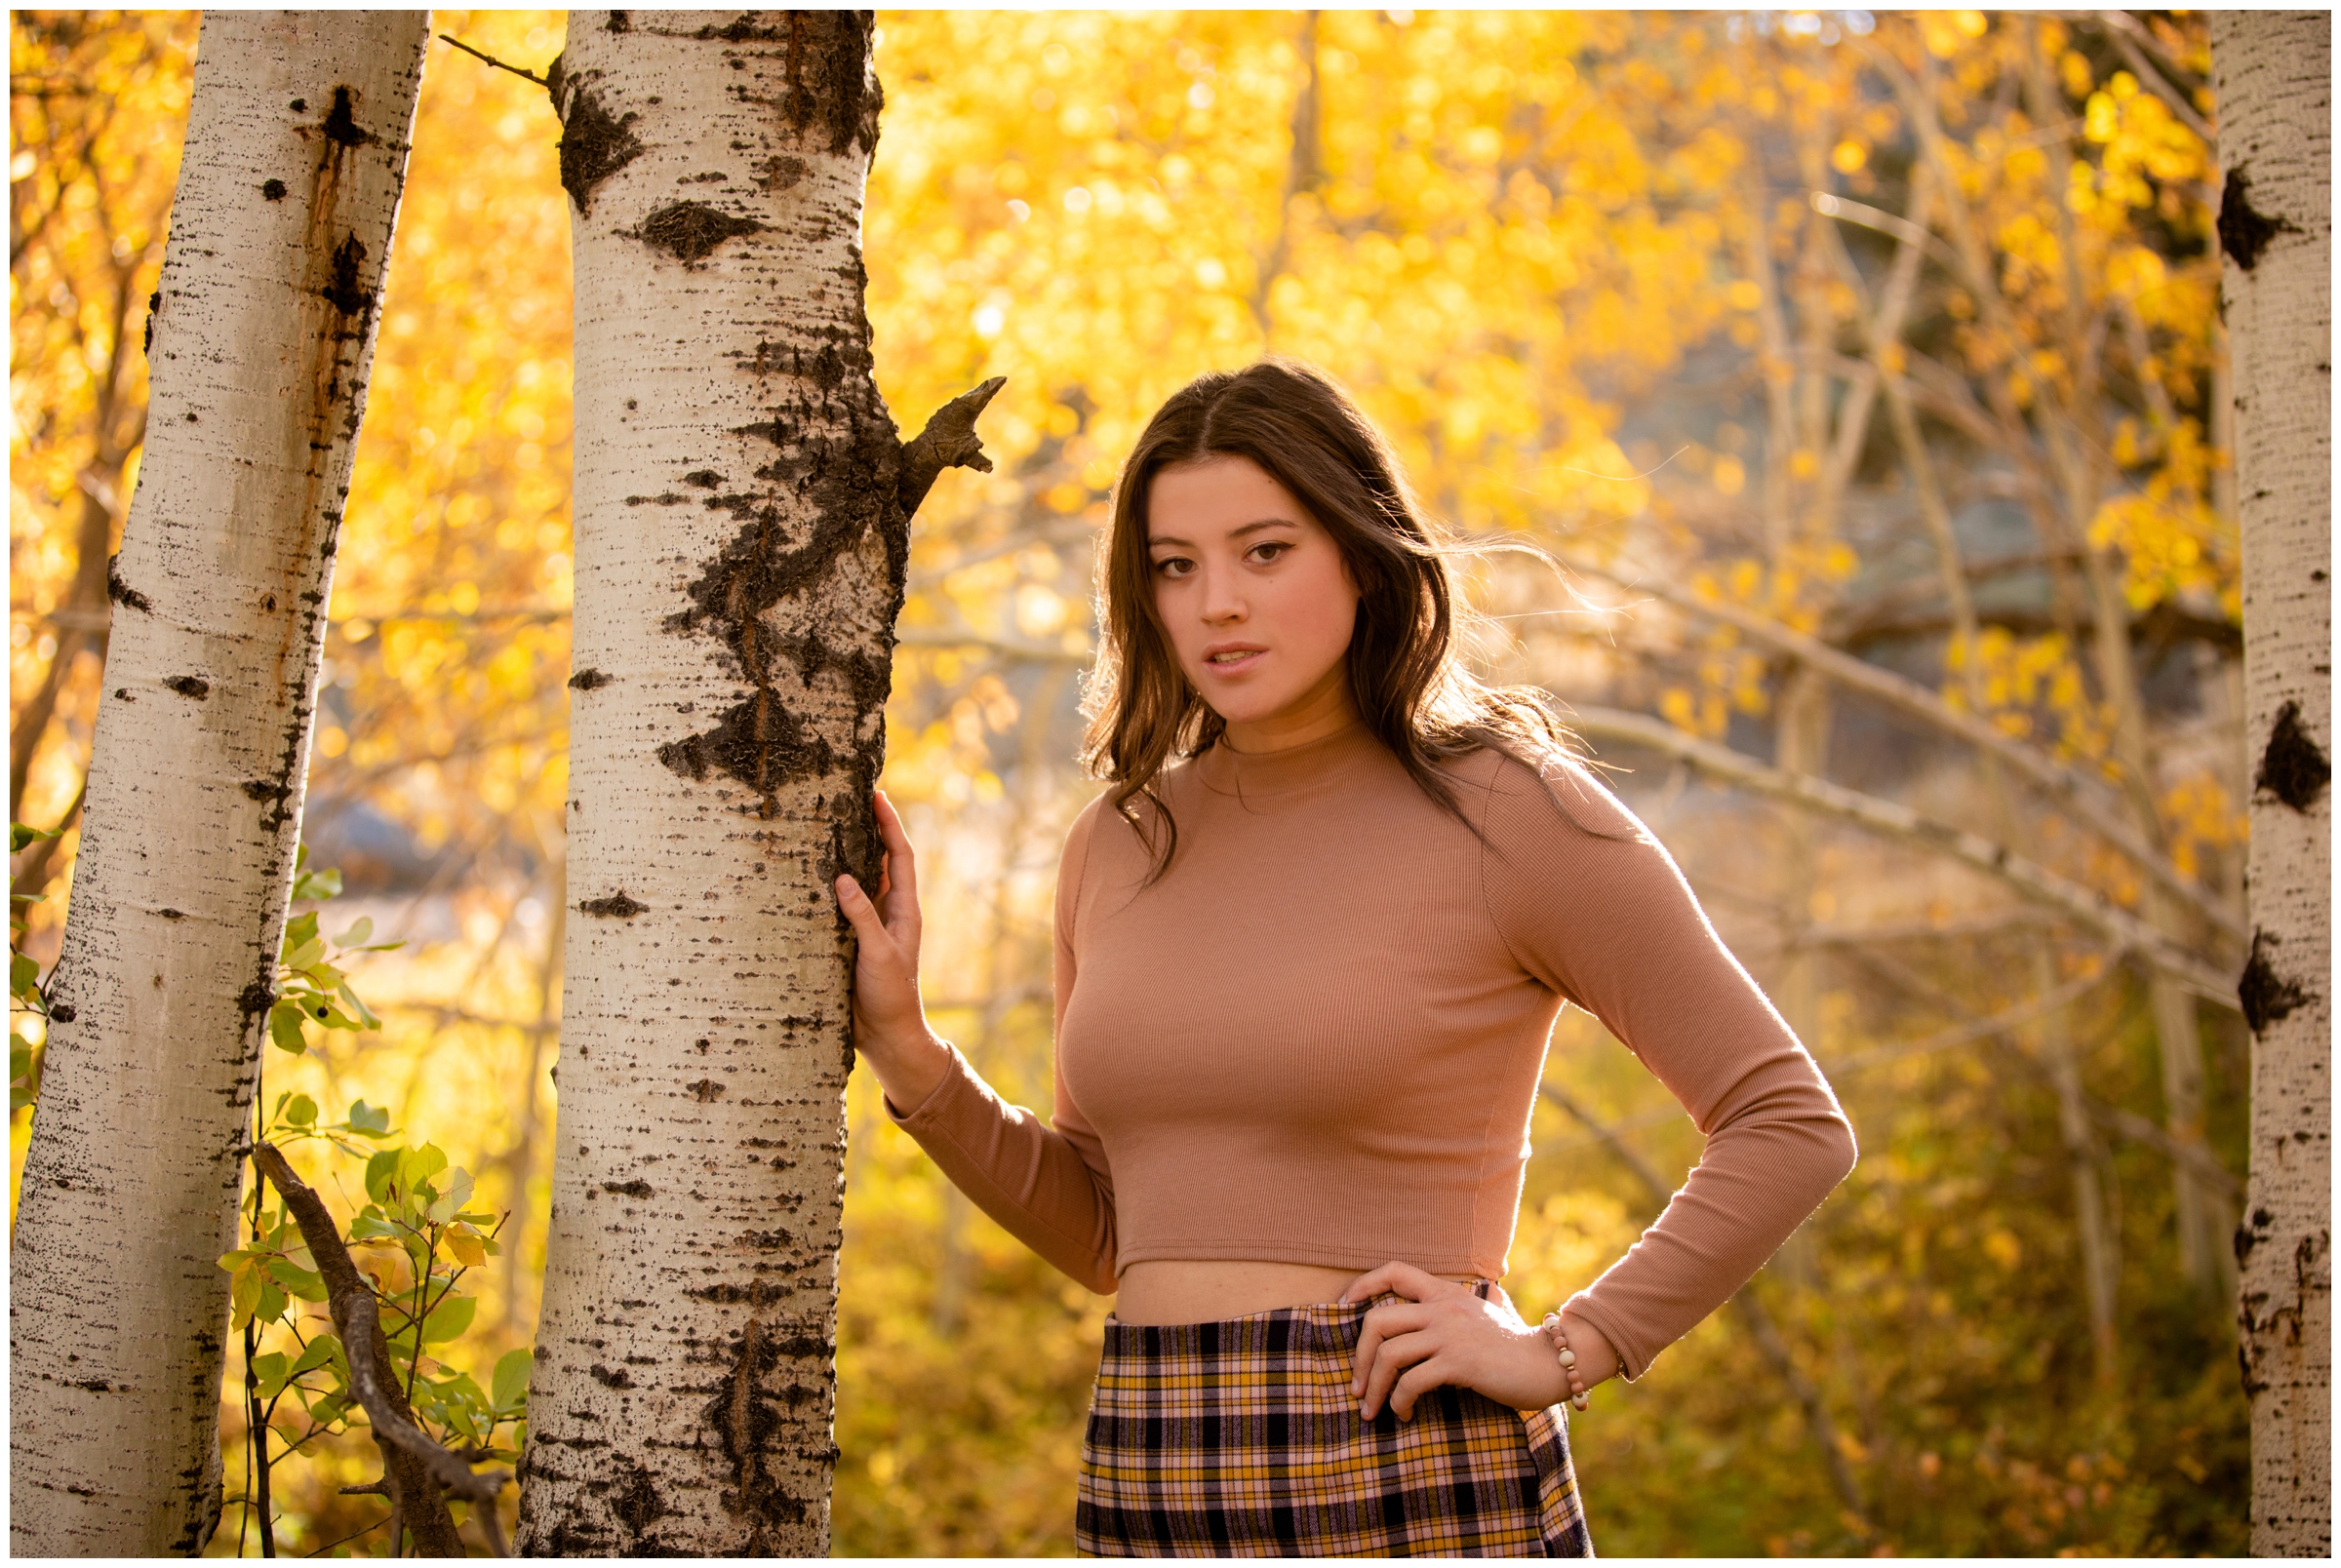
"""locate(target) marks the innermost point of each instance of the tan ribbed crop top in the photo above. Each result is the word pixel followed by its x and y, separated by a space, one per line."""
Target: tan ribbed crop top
pixel 1316 1039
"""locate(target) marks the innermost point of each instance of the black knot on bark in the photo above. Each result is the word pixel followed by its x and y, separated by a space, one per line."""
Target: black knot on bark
pixel 122 593
pixel 2294 768
pixel 2243 231
pixel 594 143
pixel 343 293
pixel 2266 994
pixel 690 232
pixel 340 125
pixel 618 906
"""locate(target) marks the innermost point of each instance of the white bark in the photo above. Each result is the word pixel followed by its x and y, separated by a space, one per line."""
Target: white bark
pixel 741 528
pixel 296 149
pixel 2272 76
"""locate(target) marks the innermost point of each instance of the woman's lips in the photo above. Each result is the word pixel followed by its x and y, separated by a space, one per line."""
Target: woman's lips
pixel 1233 660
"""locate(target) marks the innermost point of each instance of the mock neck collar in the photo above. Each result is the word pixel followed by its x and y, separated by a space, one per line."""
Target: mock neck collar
pixel 1256 774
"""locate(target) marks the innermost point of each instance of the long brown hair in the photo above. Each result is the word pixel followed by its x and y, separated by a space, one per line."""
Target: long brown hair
pixel 1406 674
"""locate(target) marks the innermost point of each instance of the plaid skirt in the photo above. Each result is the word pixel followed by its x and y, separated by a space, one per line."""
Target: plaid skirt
pixel 1240 1438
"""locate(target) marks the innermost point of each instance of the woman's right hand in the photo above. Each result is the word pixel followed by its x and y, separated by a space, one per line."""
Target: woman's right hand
pixel 890 1025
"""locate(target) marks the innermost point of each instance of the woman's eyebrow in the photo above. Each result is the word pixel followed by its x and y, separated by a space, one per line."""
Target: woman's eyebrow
pixel 1233 533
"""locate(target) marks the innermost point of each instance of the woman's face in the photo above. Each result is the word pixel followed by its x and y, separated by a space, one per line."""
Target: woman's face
pixel 1256 598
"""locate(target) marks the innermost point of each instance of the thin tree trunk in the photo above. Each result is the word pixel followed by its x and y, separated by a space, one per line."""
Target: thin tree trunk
pixel 742 525
pixel 296 148
pixel 2272 76
pixel 520 1160
pixel 85 604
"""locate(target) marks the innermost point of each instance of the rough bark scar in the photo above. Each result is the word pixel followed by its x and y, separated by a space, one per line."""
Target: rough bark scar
pixel 635 1501
pixel 830 84
pixel 861 481
pixel 193 686
pixel 690 232
pixel 746 1418
pixel 2267 996
pixel 2294 768
pixel 272 190
pixel 588 681
pixel 618 906
pixel 2244 232
pixel 781 171
pixel 594 143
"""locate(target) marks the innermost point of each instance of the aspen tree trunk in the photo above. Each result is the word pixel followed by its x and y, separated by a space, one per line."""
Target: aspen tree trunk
pixel 2272 76
pixel 263 334
pixel 742 525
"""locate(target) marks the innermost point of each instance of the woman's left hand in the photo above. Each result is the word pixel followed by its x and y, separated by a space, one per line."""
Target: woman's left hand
pixel 1445 1334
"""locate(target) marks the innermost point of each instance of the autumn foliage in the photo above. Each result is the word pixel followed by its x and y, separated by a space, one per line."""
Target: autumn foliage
pixel 1897 332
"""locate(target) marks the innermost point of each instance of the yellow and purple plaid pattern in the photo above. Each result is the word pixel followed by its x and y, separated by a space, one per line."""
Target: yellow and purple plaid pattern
pixel 1241 1439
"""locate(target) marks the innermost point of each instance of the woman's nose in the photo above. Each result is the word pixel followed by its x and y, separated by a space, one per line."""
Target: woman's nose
pixel 1223 597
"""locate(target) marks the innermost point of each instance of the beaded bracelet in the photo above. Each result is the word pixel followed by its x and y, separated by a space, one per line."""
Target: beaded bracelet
pixel 1568 1358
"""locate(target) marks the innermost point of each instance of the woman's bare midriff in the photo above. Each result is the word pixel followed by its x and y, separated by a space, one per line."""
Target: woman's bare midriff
pixel 1182 1291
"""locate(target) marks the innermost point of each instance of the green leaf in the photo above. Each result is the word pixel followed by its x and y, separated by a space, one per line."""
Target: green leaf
pixel 331 1016
pixel 23 977
pixel 320 1351
pixel 300 1282
pixel 449 1320
pixel 302 1111
pixel 273 1300
pixel 422 1164
pixel 271 1371
pixel 299 931
pixel 357 934
pixel 455 1190
pixel 19 836
pixel 508 1385
pixel 381 1170
pixel 283 1028
pixel 372 1120
pixel 310 950
pixel 244 1293
pixel 365 1014
pixel 231 1261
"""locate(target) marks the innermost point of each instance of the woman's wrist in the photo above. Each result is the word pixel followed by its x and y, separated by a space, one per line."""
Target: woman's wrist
pixel 910 1066
pixel 1584 1353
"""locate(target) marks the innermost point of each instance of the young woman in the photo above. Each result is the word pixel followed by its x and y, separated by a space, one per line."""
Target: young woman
pixel 1310 945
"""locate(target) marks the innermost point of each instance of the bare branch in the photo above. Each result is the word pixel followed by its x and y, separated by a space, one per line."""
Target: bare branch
pixel 1890 819
pixel 417 1469
pixel 1909 698
pixel 949 441
pixel 545 81
pixel 2195 1157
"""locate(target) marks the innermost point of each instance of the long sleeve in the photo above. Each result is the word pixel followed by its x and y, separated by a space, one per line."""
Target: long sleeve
pixel 1593 905
pixel 1048 1186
